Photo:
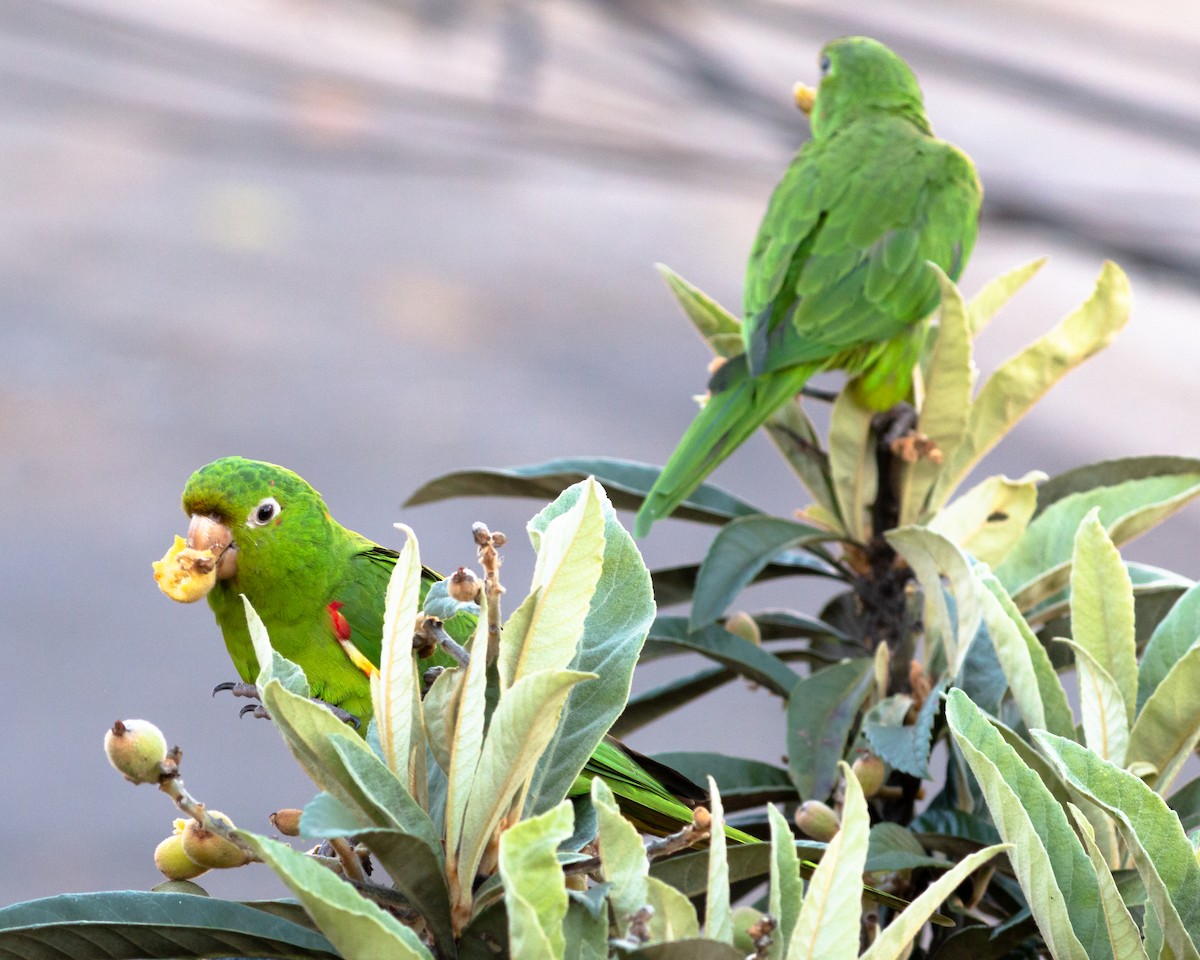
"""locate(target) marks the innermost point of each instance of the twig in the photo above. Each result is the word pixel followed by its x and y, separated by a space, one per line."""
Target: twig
pixel 489 558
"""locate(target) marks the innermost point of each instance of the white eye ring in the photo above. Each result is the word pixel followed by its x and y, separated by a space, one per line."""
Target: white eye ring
pixel 266 511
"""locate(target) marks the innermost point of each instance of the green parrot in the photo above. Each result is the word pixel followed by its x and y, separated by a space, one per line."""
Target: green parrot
pixel 319 589
pixel 838 277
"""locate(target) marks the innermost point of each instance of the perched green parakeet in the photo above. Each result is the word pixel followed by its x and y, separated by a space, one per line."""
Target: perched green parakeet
pixel 837 276
pixel 319 589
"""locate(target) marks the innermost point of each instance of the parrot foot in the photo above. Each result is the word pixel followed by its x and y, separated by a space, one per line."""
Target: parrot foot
pixel 257 710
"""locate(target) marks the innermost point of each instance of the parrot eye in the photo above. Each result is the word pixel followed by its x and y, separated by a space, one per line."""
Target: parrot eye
pixel 264 513
pixel 825 65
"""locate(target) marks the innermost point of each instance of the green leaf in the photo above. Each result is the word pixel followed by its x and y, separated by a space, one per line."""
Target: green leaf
pixel 740 551
pixel 273 664
pixel 678 584
pixel 1035 686
pixel 931 556
pixel 906 746
pixel 674 915
pixel 831 913
pixel 988 520
pixel 626 481
pixel 521 728
pixel 786 888
pixel 622 857
pixel 852 464
pixel 796 438
pixel 1040 562
pixel 355 925
pixel 534 895
pixel 1110 473
pixel 821 713
pixel 717 643
pixel 1174 636
pixel 720 329
pixel 544 632
pixel 997 292
pixel 1155 837
pixel 718 920
pixel 585 931
pixel 686 950
pixel 132 924
pixel 1102 612
pixel 1123 932
pixel 949 383
pixel 1021 381
pixel 1105 724
pixel 395 692
pixel 893 941
pixel 893 847
pixel 1168 727
pixel 1056 876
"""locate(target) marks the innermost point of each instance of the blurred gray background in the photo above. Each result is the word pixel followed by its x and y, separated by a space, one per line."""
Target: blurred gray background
pixel 381 241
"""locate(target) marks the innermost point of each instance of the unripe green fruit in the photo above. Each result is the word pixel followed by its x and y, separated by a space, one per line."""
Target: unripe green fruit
pixel 870 771
pixel 817 820
pixel 209 849
pixel 173 863
pixel 136 748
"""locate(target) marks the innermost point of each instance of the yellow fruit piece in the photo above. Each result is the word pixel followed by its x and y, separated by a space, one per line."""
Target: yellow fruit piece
pixel 173 863
pixel 185 574
pixel 805 98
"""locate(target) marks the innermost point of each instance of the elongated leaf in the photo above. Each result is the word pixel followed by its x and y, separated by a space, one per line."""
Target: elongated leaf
pixel 678 584
pixel 893 942
pixel 688 872
pixel 1124 935
pixel 1186 803
pixel 1013 389
pixel 1174 636
pixel 272 664
pixel 821 713
pixel 1155 837
pixel 741 550
pixel 1101 706
pixel 1036 688
pixel 718 920
pixel 133 924
pixel 521 727
pixel 906 746
pixel 622 856
pixel 544 632
pixel 786 888
pixel 719 328
pixel 357 927
pixel 390 803
pixel 618 619
pixel 1110 473
pixel 893 847
pixel 534 895
pixel 1102 612
pixel 852 464
pixel 674 916
pixel 997 292
pixel 931 556
pixel 988 520
pixel 1039 564
pixel 717 643
pixel 796 438
pixel 1055 874
pixel 1168 727
pixel 831 913
pixel 686 950
pixel 949 383
pixel 394 690
pixel 626 481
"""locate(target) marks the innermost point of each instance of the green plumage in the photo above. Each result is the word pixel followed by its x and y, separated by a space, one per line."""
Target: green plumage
pixel 838 275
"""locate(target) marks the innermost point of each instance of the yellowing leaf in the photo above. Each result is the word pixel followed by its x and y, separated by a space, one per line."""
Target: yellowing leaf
pixel 990 518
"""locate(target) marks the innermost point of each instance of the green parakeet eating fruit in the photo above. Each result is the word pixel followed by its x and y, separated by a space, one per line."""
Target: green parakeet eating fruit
pixel 319 589
pixel 838 277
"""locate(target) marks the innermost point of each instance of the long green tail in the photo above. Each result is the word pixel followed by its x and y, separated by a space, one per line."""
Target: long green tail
pixel 724 424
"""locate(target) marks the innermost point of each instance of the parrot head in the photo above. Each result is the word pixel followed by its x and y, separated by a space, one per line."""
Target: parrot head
pixel 860 77
pixel 260 521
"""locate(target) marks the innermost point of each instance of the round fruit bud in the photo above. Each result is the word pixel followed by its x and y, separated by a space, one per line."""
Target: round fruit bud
pixel 870 771
pixel 173 863
pixel 136 748
pixel 743 625
pixel 464 586
pixel 817 820
pixel 287 822
pixel 209 849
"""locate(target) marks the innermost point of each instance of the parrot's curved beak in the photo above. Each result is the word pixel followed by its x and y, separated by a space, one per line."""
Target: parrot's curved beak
pixel 805 97
pixel 207 533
